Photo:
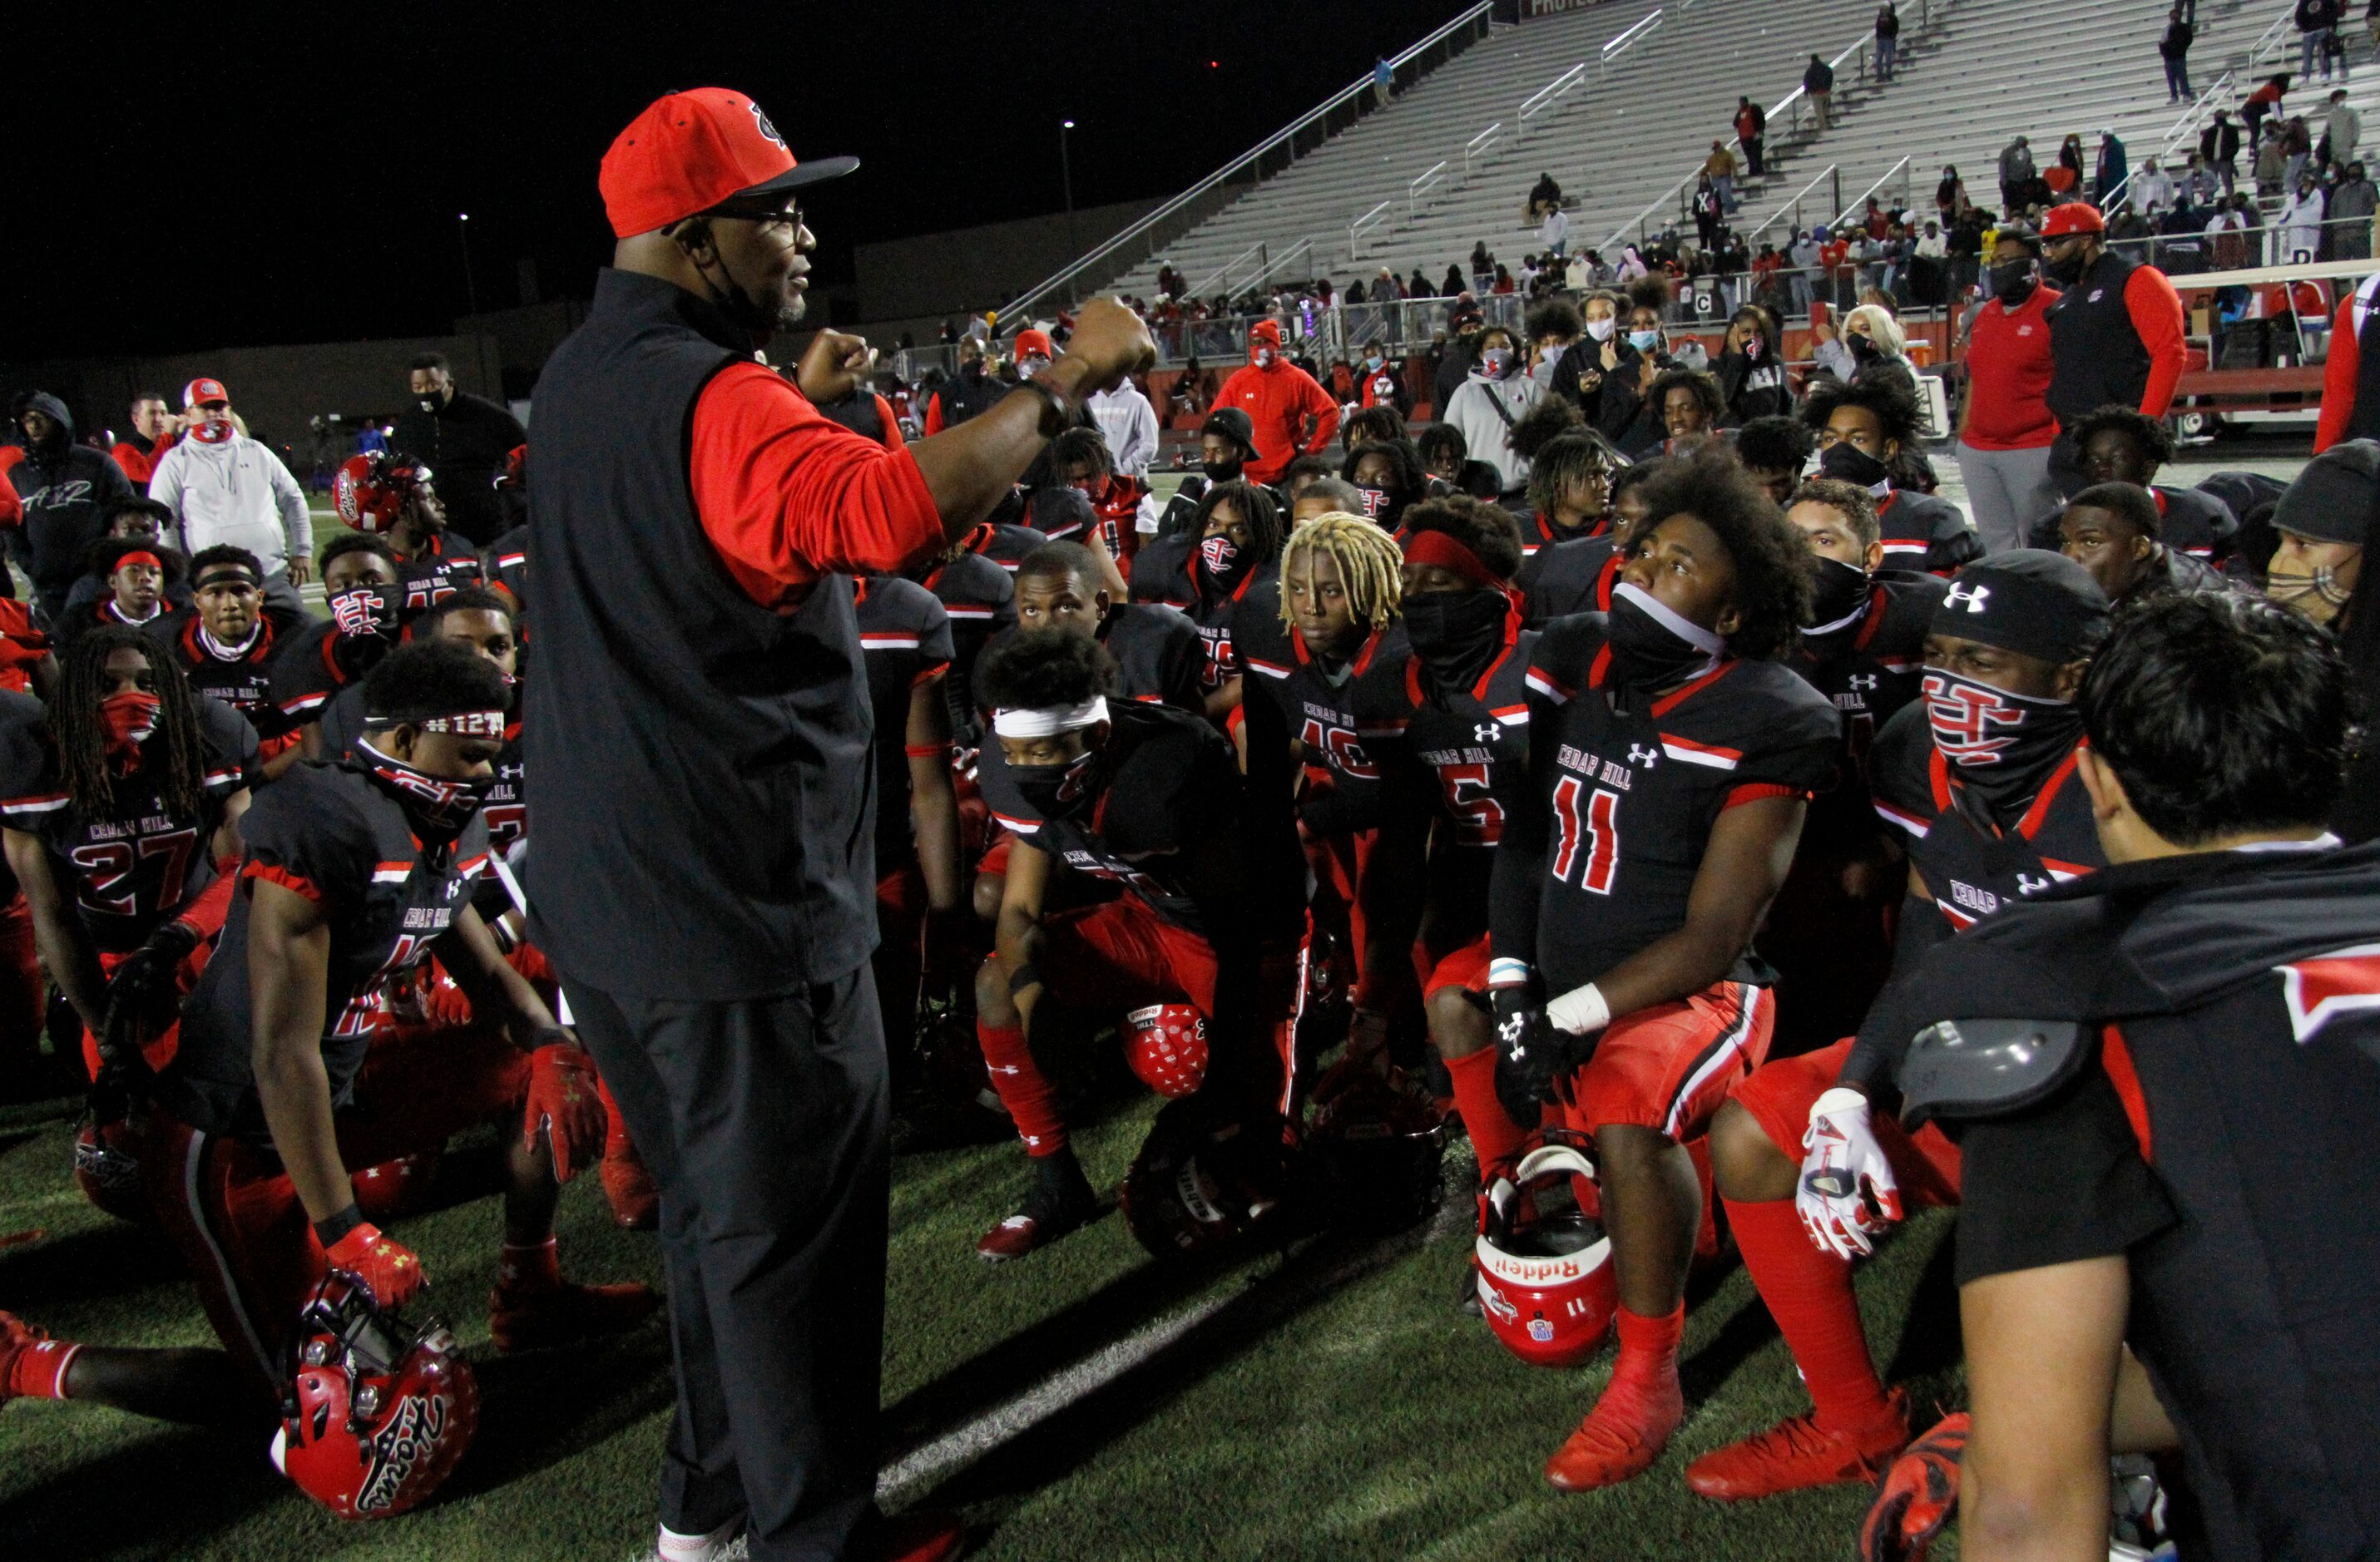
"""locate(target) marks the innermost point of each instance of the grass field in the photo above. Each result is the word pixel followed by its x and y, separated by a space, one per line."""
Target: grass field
pixel 1325 1401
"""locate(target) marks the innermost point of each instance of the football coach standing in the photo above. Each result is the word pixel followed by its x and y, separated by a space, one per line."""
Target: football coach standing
pixel 703 875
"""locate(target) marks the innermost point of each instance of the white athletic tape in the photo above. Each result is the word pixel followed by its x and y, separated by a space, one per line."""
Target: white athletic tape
pixel 1019 723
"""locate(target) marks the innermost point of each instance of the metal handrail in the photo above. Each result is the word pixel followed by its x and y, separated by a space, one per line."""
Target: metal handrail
pixel 1356 229
pixel 1793 202
pixel 1475 18
pixel 2179 131
pixel 1545 97
pixel 1882 179
pixel 1480 143
pixel 1429 176
pixel 1223 272
pixel 1303 247
pixel 2279 28
pixel 1615 47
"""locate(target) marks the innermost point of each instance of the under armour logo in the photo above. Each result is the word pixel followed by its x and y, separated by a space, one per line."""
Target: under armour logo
pixel 1513 1034
pixel 1867 680
pixel 1971 597
pixel 2029 884
pixel 1485 733
pixel 1640 755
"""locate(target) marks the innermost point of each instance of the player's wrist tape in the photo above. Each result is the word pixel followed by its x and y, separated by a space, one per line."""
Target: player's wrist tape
pixel 329 1232
pixel 1024 977
pixel 1506 972
pixel 928 751
pixel 1580 1012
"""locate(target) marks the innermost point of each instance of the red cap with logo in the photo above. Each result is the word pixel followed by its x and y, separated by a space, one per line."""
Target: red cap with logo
pixel 1031 340
pixel 2075 216
pixel 691 150
pixel 199 391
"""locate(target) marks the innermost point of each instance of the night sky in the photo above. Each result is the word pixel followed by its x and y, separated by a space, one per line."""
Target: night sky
pixel 188 177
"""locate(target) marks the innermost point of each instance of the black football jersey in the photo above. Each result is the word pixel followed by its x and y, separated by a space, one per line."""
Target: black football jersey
pixel 1157 655
pixel 506 808
pixel 1539 531
pixel 1160 570
pixel 131 867
pixel 317 663
pixel 1624 790
pixel 979 599
pixel 243 681
pixel 1971 863
pixel 1006 545
pixel 330 833
pixel 447 564
pixel 1569 577
pixel 505 566
pixel 73 623
pixel 2191 521
pixel 906 636
pixel 1317 707
pixel 1459 755
pixel 1174 783
pixel 1921 532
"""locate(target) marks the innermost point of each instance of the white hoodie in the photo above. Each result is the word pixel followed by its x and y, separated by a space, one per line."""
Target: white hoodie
pixel 235 493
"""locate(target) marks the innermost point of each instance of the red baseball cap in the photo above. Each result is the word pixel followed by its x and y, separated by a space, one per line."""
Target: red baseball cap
pixel 690 151
pixel 2075 216
pixel 1029 341
pixel 199 391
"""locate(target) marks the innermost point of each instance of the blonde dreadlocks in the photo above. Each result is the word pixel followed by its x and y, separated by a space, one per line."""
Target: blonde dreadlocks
pixel 1371 566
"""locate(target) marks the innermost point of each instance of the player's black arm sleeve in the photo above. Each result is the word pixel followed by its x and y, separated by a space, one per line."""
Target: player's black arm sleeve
pixel 1875 1061
pixel 1514 887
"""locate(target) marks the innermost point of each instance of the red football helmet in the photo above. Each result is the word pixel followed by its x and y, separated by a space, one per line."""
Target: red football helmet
pixel 1166 1045
pixel 1199 1184
pixel 1545 1285
pixel 370 489
pixel 108 1174
pixel 1377 1139
pixel 378 1413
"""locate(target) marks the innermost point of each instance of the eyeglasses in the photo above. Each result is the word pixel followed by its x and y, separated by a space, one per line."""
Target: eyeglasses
pixel 767 213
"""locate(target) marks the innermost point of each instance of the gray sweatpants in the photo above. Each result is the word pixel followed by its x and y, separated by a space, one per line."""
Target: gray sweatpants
pixel 2007 491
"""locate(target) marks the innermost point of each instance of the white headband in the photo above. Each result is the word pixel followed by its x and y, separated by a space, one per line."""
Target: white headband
pixel 1049 723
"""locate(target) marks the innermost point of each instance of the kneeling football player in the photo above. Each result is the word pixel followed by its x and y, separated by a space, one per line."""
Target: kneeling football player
pixel 1672 758
pixel 1979 774
pixel 1147 798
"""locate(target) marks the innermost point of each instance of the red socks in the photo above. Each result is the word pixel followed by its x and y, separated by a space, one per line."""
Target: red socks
pixel 535 1267
pixel 1032 1104
pixel 1809 1294
pixel 39 1371
pixel 1644 1379
pixel 1494 1135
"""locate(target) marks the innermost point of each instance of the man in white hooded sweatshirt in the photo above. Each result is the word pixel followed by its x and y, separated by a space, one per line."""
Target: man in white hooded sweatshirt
pixel 226 488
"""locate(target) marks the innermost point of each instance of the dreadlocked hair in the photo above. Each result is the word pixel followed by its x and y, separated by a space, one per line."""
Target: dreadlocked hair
pixel 1566 462
pixel 81 738
pixel 1542 424
pixel 1412 478
pixel 1371 566
pixel 1380 424
pixel 1254 504
pixel 1081 448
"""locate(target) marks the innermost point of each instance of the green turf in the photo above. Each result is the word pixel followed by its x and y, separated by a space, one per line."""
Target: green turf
pixel 1331 1404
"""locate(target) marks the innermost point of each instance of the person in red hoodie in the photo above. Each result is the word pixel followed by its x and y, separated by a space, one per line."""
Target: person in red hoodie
pixel 2346 413
pixel 1279 398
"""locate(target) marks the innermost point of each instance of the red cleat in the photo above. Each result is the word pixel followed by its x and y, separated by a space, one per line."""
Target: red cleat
pixel 913 1537
pixel 396 1187
pixel 536 1316
pixel 1917 1497
pixel 1797 1454
pixel 1061 1201
pixel 636 1202
pixel 1620 1438
pixel 17 1336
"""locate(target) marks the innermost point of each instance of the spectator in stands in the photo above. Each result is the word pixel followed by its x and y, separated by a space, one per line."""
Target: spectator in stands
pixel 2112 166
pixel 2174 48
pixel 2069 158
pixel 2271 164
pixel 2317 20
pixel 1835 260
pixel 1950 196
pixel 1819 85
pixel 2116 334
pixel 2199 182
pixel 1870 343
pixel 1887 39
pixel 1493 396
pixel 1417 286
pixel 465 439
pixel 1553 328
pixel 1721 167
pixel 1807 256
pixel 1751 133
pixel 2152 188
pixel 1542 194
pixel 2265 100
pixel 2351 209
pixel 1579 377
pixel 2016 174
pixel 153 430
pixel 1128 423
pixel 2298 230
pixel 225 489
pixel 1453 284
pixel 1384 79
pixel 1752 369
pixel 971 391
pixel 65 492
pixel 2297 145
pixel 1929 255
pixel 2341 131
pixel 1483 266
pixel 1280 400
pixel 1454 359
pixel 1554 233
pixel 1710 211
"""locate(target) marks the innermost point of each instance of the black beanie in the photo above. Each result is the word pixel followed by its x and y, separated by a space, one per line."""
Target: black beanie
pixel 2026 600
pixel 2332 499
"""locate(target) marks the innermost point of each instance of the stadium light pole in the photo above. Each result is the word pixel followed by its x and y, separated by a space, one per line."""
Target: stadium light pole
pixel 1066 178
pixel 470 285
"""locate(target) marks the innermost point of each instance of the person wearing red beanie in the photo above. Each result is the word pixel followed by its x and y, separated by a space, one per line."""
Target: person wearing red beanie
pixel 1278 396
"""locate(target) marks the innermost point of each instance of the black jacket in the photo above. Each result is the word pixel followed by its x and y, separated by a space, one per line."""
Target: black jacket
pixel 68 490
pixel 466 442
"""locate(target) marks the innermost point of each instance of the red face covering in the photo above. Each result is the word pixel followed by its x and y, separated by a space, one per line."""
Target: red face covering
pixel 130 717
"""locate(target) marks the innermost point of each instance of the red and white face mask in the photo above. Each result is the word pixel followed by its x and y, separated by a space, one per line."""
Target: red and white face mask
pixel 213 427
pixel 2003 743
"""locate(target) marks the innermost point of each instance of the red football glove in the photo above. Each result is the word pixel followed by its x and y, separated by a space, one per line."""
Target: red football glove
pixel 393 1275
pixel 564 1102
pixel 1918 1496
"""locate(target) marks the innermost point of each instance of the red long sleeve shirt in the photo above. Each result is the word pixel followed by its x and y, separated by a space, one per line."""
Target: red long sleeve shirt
pixel 786 495
pixel 2155 310
pixel 1278 401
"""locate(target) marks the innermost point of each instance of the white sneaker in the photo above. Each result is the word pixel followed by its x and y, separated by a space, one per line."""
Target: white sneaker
pixel 725 1544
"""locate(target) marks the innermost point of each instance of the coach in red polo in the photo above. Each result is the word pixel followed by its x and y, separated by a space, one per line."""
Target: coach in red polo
pixel 702 876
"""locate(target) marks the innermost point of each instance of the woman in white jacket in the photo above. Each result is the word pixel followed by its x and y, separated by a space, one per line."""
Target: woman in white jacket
pixel 2299 224
pixel 1494 396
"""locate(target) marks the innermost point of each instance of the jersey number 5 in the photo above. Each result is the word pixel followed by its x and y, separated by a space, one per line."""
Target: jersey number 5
pixel 1590 835
pixel 1478 817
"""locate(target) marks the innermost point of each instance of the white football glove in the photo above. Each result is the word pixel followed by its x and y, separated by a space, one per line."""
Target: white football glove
pixel 1841 1161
